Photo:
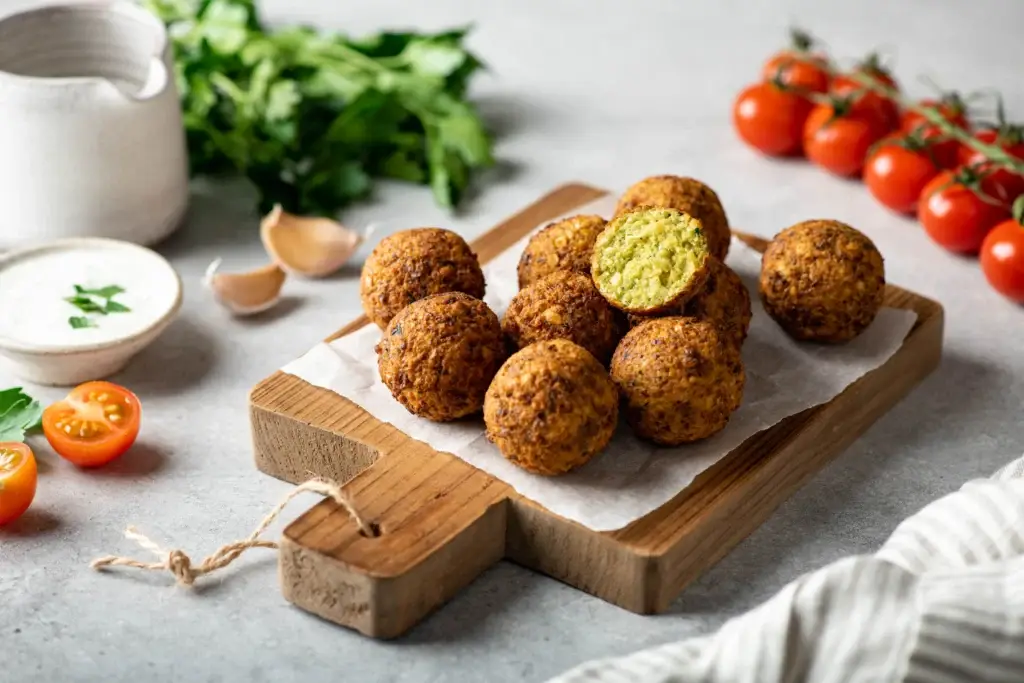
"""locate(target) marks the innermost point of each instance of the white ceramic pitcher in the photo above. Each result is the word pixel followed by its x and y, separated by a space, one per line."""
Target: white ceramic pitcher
pixel 91 137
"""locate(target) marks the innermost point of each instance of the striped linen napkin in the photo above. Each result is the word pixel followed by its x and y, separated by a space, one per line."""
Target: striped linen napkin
pixel 941 602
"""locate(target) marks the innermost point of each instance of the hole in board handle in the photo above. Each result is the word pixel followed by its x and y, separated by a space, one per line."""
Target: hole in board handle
pixel 374 530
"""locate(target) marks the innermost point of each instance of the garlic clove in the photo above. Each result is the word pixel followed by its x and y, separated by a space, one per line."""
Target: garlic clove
pixel 310 247
pixel 246 293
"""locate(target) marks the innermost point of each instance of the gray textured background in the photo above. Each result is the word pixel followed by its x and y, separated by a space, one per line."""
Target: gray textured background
pixel 605 92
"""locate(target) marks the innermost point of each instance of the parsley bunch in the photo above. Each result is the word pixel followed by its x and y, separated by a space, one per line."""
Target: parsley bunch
pixel 311 118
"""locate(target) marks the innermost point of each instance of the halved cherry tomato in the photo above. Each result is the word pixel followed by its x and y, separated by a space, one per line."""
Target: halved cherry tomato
pixel 844 85
pixel 95 423
pixel 837 136
pixel 799 66
pixel 1009 138
pixel 898 170
pixel 771 119
pixel 1002 259
pixel 954 215
pixel 18 476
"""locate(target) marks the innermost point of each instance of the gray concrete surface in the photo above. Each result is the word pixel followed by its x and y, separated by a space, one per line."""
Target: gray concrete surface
pixel 600 91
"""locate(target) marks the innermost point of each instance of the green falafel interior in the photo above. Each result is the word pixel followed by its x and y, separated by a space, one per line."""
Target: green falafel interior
pixel 648 258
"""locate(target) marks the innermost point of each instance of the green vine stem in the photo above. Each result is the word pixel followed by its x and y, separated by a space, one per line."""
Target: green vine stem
pixel 995 154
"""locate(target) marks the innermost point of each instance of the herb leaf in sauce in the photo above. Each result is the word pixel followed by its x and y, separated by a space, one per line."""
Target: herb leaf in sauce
pixel 99 301
pixel 19 413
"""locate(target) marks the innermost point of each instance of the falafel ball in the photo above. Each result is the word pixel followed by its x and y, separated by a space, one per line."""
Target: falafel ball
pixel 681 380
pixel 565 245
pixel 412 264
pixel 822 280
pixel 650 260
pixel 551 407
pixel 687 195
pixel 439 355
pixel 564 305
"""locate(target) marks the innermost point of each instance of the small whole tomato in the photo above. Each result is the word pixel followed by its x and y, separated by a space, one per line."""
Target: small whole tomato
pixel 846 84
pixel 954 214
pixel 950 106
pixel 839 134
pixel 94 424
pixel 898 170
pixel 1009 138
pixel 18 475
pixel 799 66
pixel 1002 255
pixel 771 119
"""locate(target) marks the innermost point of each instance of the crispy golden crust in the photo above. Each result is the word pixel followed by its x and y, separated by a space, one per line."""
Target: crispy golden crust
pixel 413 264
pixel 724 301
pixel 439 354
pixel 564 305
pixel 677 298
pixel 565 245
pixel 687 195
pixel 822 280
pixel 680 380
pixel 551 407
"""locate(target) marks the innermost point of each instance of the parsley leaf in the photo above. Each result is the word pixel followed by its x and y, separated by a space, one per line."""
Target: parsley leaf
pixel 19 413
pixel 79 322
pixel 312 118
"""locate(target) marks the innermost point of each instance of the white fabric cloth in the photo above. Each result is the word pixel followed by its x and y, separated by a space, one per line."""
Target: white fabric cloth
pixel 941 602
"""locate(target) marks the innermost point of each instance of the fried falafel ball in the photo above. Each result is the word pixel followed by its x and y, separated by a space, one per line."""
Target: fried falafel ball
pixel 564 305
pixel 724 301
pixel 439 355
pixel 687 195
pixel 551 407
pixel 412 264
pixel 565 245
pixel 650 260
pixel 822 280
pixel 680 379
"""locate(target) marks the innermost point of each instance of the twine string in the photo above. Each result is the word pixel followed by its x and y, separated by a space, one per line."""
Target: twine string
pixel 186 573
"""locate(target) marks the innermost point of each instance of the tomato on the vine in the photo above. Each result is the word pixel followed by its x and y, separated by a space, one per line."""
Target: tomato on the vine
pixel 1002 255
pixel 839 134
pixel 954 213
pixel 94 424
pixel 846 84
pixel 770 118
pixel 18 474
pixel 799 66
pixel 950 106
pixel 1009 138
pixel 898 169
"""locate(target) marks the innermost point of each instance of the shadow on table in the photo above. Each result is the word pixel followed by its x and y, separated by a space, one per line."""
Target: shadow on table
pixel 35 522
pixel 772 556
pixel 141 460
pixel 178 359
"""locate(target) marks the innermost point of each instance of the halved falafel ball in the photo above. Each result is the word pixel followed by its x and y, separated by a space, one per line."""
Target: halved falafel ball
pixel 724 301
pixel 822 280
pixel 687 195
pixel 439 354
pixel 650 260
pixel 680 379
pixel 564 305
pixel 551 407
pixel 410 265
pixel 565 245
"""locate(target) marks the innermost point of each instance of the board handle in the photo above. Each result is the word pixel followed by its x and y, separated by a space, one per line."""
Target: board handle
pixel 437 524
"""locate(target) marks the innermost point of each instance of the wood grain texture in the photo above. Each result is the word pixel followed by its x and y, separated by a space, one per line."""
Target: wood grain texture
pixel 442 522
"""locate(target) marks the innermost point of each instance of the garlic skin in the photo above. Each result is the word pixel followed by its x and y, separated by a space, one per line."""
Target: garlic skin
pixel 308 247
pixel 246 293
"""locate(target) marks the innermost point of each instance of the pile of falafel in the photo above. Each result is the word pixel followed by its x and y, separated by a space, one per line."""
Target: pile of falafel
pixel 637 314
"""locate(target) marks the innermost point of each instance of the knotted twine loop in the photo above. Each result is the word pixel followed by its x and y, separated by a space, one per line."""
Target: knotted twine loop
pixel 180 564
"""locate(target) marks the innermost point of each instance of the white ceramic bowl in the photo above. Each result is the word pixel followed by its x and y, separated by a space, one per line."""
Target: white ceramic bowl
pixel 37 342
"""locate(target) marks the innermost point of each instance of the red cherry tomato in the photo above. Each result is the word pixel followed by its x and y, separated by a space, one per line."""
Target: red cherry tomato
pixel 18 475
pixel 896 172
pixel 1008 184
pixel 1002 259
pixel 954 215
pixel 94 424
pixel 771 119
pixel 837 136
pixel 799 65
pixel 951 107
pixel 845 85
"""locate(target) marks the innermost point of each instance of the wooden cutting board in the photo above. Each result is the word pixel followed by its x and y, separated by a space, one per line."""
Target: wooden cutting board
pixel 439 522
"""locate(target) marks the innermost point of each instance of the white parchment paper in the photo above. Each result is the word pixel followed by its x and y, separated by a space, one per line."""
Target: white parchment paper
pixel 630 478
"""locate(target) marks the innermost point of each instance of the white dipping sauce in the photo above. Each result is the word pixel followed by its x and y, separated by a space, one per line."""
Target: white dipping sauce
pixel 34 285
